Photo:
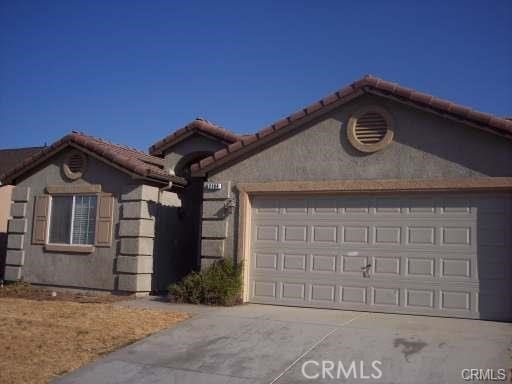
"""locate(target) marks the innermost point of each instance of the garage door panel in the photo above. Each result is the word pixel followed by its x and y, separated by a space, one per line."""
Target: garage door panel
pixel 324 263
pixel 387 235
pixel 414 235
pixel 456 206
pixel 422 266
pixel 353 294
pixel 417 253
pixel 294 262
pixel 422 298
pixel 294 233
pixel 385 296
pixel 386 265
pixel 265 261
pixel 457 300
pixel 266 233
pixel 457 268
pixel 325 234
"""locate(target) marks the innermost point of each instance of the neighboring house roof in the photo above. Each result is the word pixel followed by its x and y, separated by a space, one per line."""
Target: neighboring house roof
pixel 368 84
pixel 11 157
pixel 199 125
pixel 128 159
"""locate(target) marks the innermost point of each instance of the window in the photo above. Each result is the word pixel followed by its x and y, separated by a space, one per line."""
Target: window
pixel 73 219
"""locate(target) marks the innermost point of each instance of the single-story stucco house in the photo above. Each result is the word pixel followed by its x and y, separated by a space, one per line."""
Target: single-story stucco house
pixel 375 198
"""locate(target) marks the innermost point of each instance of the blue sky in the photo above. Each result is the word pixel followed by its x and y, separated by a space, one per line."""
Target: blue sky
pixel 133 71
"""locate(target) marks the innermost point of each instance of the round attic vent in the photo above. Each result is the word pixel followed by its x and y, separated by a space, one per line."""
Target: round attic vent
pixel 370 129
pixel 75 164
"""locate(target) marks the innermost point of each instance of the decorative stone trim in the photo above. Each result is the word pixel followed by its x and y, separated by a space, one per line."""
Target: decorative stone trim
pixel 208 261
pixel 135 264
pixel 137 228
pixel 135 210
pixel 15 241
pixel 16 229
pixel 140 192
pixel 73 189
pixel 21 194
pixel 215 229
pixel 18 210
pixel 135 282
pixel 214 220
pixel 17 226
pixel 14 257
pixel 214 209
pixel 69 248
pixel 12 273
pixel 142 246
pixel 212 248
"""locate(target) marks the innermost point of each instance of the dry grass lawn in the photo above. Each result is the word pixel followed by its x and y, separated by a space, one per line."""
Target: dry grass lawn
pixel 41 339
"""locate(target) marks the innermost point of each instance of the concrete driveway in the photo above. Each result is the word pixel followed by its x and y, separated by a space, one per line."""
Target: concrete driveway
pixel 269 344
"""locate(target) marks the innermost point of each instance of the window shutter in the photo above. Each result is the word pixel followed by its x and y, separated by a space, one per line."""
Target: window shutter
pixel 104 220
pixel 40 224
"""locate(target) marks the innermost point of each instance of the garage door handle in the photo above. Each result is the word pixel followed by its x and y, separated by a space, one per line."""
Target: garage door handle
pixel 366 270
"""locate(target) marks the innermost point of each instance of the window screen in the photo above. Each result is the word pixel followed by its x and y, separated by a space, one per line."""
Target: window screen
pixel 84 221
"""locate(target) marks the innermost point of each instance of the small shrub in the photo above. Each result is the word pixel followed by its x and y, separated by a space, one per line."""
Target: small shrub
pixel 219 284
pixel 189 290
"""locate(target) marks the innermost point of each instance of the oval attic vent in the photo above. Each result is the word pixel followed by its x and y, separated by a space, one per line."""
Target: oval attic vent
pixel 75 164
pixel 371 128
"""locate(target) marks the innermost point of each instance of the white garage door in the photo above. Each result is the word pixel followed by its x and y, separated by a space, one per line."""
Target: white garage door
pixel 438 254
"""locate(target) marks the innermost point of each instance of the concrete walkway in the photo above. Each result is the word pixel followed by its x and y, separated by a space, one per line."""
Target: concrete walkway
pixel 268 344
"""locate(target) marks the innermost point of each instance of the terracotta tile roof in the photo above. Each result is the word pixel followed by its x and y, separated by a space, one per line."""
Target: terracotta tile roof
pixel 130 159
pixel 198 125
pixel 368 84
pixel 11 157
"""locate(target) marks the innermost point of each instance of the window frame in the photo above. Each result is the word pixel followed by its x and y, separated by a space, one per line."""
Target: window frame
pixel 70 243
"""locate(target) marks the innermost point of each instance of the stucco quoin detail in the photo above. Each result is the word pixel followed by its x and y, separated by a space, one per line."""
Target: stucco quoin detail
pixel 355 132
pixel 137 231
pixel 21 194
pixel 18 210
pixel 16 230
pixel 140 192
